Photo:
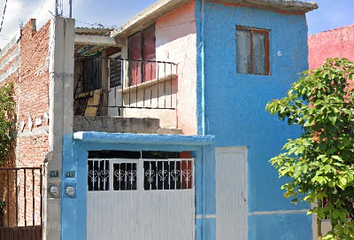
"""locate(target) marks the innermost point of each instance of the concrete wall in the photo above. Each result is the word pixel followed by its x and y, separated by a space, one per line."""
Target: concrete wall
pixel 231 107
pixel 336 43
pixel 61 89
pixel 116 124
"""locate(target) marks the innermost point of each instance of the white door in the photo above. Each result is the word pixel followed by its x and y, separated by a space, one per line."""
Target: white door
pixel 148 199
pixel 231 193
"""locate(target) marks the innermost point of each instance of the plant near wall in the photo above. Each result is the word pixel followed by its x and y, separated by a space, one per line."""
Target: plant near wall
pixel 7 128
pixel 2 212
pixel 319 165
pixel 2 207
pixel 7 119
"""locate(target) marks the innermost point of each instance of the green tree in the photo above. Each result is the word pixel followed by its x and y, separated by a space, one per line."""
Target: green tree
pixel 320 163
pixel 7 128
pixel 7 120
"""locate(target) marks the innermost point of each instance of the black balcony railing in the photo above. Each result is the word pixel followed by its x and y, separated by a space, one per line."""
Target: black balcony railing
pixel 107 86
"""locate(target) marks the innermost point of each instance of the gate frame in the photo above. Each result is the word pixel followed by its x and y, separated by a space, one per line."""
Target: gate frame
pixel 75 154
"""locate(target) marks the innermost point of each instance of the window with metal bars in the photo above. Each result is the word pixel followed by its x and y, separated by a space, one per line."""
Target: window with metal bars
pixel 98 175
pixel 157 174
pixel 168 174
pixel 252 51
pixel 115 72
pixel 124 176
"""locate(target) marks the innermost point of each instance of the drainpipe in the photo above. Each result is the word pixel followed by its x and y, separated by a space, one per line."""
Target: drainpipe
pixel 203 130
pixel 202 55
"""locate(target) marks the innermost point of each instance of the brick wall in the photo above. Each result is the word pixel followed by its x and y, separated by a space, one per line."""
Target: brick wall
pixel 26 64
pixel 9 72
pixel 32 143
pixel 34 95
pixel 331 44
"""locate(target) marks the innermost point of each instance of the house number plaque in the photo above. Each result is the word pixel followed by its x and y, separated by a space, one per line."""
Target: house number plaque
pixel 54 174
pixel 70 174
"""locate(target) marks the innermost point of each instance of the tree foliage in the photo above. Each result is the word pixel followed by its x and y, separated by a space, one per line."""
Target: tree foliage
pixel 7 120
pixel 320 163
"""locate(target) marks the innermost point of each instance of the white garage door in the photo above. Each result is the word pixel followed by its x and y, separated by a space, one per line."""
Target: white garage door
pixel 148 199
pixel 231 193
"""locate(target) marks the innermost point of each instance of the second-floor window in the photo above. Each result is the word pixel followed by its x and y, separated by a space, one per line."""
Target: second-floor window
pixel 142 56
pixel 252 50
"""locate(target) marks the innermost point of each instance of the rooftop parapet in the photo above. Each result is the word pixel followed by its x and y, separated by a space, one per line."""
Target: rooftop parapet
pixel 148 16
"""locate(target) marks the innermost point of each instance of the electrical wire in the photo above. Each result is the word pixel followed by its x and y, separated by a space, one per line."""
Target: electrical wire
pixel 40 9
pixel 100 25
pixel 3 16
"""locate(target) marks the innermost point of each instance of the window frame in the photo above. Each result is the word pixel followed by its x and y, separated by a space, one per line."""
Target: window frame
pixel 143 60
pixel 252 30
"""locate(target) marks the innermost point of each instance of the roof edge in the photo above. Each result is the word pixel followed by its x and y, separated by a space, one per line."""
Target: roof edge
pixel 332 30
pixel 147 139
pixel 147 16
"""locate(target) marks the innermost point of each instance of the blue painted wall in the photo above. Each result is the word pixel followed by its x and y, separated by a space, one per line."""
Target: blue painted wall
pixel 75 153
pixel 231 105
pixel 288 227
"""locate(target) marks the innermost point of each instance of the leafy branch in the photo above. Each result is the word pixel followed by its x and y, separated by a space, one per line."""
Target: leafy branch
pixel 320 163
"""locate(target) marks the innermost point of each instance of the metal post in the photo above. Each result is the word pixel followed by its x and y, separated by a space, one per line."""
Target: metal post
pixel 56 8
pixel 71 8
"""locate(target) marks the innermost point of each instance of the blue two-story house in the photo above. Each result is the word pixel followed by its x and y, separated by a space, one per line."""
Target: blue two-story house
pixel 172 140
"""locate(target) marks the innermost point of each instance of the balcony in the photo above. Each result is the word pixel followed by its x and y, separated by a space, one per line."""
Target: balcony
pixel 110 94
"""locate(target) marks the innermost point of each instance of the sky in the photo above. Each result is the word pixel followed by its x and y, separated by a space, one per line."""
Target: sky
pixel 113 13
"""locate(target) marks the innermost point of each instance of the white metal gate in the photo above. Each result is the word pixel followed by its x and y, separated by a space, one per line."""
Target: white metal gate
pixel 147 199
pixel 231 193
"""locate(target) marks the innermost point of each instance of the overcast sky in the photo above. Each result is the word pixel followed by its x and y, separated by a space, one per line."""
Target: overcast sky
pixel 113 13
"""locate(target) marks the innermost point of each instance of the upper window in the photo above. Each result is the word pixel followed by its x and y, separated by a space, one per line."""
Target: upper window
pixel 142 56
pixel 252 50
